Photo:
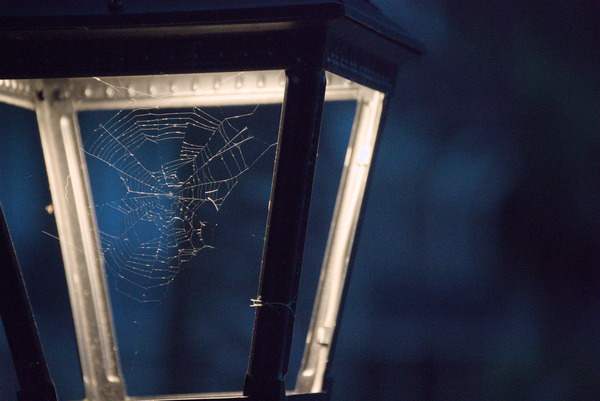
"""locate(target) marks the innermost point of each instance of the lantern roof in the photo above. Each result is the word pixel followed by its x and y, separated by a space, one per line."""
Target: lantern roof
pixel 92 38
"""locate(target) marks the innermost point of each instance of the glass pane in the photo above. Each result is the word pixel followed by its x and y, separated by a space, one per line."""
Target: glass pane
pixel 333 143
pixel 181 198
pixel 28 209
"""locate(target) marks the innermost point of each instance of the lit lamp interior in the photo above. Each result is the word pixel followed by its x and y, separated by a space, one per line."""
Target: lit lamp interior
pixel 156 111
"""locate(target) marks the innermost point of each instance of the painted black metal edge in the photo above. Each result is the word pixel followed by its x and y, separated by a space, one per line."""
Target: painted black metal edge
pixel 20 328
pixel 285 234
pixel 149 14
pixel 366 14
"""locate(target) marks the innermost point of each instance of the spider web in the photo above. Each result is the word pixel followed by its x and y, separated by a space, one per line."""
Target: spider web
pixel 176 169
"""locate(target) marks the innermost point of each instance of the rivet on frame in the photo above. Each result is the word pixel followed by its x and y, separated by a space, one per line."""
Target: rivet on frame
pixel 239 82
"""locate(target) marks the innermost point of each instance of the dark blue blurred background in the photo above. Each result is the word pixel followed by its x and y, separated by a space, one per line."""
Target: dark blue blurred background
pixel 478 270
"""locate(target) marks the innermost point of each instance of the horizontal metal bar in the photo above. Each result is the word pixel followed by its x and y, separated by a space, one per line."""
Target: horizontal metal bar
pixel 185 90
pixel 17 93
pixel 224 396
pixel 229 396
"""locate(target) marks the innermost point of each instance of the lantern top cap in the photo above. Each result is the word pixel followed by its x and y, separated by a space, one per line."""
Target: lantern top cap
pixel 137 37
pixel 94 14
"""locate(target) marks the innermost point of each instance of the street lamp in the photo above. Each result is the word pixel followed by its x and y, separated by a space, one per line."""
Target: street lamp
pixel 140 55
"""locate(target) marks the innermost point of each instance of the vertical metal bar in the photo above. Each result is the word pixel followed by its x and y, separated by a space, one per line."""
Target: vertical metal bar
pixel 339 253
pixel 76 224
pixel 19 325
pixel 286 231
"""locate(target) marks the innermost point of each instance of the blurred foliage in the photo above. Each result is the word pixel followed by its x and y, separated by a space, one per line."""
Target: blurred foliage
pixel 487 284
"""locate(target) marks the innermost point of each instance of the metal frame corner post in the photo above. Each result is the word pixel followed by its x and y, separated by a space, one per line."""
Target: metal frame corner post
pixel 315 372
pixel 286 231
pixel 76 224
pixel 19 324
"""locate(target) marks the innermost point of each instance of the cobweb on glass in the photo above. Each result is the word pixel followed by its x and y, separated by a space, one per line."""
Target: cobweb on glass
pixel 176 168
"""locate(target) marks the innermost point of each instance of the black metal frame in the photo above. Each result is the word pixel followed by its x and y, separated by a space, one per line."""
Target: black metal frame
pixel 19 325
pixel 304 37
pixel 286 230
pixel 349 38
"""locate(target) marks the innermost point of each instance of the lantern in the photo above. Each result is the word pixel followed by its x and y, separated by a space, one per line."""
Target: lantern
pixel 140 56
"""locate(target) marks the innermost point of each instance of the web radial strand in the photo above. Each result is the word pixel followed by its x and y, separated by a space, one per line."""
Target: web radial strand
pixel 176 169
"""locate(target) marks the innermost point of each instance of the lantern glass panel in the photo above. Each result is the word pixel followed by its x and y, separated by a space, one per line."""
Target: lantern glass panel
pixel 26 202
pixel 181 222
pixel 335 129
pixel 161 185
